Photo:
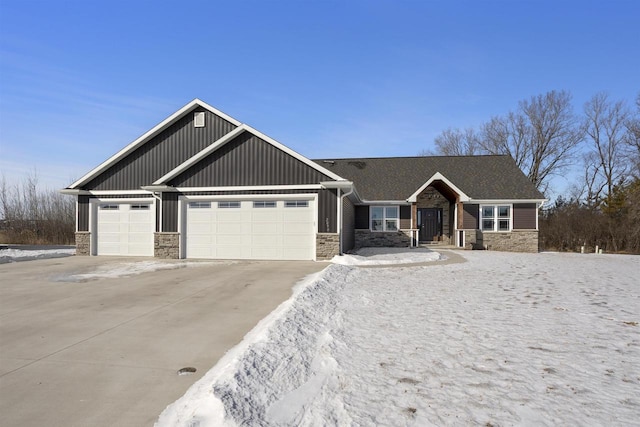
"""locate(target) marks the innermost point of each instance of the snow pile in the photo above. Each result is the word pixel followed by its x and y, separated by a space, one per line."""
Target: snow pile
pixel 130 269
pixel 503 339
pixel 13 255
pixel 386 256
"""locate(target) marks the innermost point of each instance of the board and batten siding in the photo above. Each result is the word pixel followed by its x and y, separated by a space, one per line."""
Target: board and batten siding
pixel 162 153
pixel 362 217
pixel 327 204
pixel 247 161
pixel 525 216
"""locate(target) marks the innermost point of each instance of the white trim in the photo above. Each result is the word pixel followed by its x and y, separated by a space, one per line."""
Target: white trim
pixel 93 216
pixel 77 213
pixel 504 201
pixel 151 133
pixel 438 177
pixel 384 218
pixel 336 184
pixel 183 200
pixel 385 202
pixel 116 192
pixel 229 137
pixel 200 155
pixel 252 188
pixel 496 218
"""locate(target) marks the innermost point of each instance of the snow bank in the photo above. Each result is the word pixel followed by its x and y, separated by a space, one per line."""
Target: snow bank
pixel 503 339
pixel 13 255
pixel 387 256
pixel 130 269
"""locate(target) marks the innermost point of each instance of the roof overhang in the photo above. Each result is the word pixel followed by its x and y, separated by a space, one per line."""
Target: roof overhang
pixel 439 177
pixel 159 188
pixel 506 201
pixel 73 191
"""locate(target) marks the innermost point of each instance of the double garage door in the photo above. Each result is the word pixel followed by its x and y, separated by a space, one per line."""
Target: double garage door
pixel 249 229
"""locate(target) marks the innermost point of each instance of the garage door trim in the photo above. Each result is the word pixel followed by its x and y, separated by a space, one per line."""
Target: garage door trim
pixel 185 199
pixel 93 215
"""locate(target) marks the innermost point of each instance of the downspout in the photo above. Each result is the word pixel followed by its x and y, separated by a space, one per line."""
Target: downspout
pixel 158 196
pixel 340 210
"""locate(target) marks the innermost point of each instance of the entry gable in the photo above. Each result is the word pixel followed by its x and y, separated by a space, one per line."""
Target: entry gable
pixel 439 177
pixel 246 157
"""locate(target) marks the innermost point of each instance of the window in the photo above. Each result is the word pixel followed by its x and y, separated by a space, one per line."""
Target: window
pixel 109 207
pixel 496 218
pixel 199 205
pixel 384 218
pixel 198 119
pixel 296 203
pixel 139 207
pixel 228 205
pixel 264 204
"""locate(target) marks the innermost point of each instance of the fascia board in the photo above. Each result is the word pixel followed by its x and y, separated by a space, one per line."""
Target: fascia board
pixel 294 154
pixel 438 177
pixel 337 184
pixel 200 155
pixel 507 201
pixel 385 202
pixel 144 138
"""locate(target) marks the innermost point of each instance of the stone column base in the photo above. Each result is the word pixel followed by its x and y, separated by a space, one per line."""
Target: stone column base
pixel 327 245
pixel 166 245
pixel 83 243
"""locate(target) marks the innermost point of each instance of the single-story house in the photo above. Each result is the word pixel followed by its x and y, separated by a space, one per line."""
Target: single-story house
pixel 201 184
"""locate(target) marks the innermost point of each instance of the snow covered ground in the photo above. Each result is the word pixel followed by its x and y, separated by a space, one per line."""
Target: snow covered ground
pixel 387 256
pixel 13 255
pixel 502 339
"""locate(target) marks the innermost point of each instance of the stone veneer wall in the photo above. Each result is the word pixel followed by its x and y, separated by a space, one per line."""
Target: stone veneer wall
pixel 166 245
pixel 327 245
pixel 368 238
pixel 516 241
pixel 83 243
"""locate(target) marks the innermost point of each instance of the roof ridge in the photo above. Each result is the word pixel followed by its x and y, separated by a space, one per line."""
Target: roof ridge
pixel 407 157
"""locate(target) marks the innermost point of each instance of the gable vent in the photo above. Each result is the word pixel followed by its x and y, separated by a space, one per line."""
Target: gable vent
pixel 198 119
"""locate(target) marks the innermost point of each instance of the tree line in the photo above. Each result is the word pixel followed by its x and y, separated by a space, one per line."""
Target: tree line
pixel 545 137
pixel 33 215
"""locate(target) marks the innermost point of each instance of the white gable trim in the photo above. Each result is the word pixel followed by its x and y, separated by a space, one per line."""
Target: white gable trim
pixel 439 177
pixel 230 136
pixel 144 138
pixel 294 154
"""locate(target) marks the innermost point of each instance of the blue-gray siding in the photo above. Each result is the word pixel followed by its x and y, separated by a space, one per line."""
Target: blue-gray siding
pixel 162 153
pixel 248 160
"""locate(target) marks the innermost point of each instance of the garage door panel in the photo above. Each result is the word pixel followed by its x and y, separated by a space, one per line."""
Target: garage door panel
pixel 123 230
pixel 255 230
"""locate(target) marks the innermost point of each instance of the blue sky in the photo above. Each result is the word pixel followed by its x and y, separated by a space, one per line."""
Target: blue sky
pixel 79 80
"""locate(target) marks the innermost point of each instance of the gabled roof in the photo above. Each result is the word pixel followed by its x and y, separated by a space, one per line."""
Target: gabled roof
pixel 229 137
pixel 147 136
pixel 398 178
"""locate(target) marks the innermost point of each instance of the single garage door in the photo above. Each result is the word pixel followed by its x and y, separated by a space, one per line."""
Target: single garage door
pixel 125 229
pixel 250 229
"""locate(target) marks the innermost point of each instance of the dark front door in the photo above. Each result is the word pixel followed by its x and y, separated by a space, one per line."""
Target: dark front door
pixel 429 224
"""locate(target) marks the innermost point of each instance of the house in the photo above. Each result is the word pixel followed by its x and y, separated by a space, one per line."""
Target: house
pixel 201 184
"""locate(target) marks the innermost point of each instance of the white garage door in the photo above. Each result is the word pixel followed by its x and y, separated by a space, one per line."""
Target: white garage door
pixel 125 229
pixel 250 229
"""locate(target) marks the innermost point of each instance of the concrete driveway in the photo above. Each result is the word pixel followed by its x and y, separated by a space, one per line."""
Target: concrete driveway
pixel 105 352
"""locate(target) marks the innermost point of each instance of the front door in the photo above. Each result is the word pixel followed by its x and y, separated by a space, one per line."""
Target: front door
pixel 429 224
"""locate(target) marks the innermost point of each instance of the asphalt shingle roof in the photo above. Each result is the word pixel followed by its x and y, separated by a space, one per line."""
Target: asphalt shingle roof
pixel 397 178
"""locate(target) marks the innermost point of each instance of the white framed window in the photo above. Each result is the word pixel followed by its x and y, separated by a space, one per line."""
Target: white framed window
pixel 385 218
pixel 109 207
pixel 264 204
pixel 228 205
pixel 199 205
pixel 296 203
pixel 198 119
pixel 495 217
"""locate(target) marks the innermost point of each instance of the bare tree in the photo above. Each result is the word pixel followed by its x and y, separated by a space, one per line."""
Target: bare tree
pixel 633 139
pixel 508 135
pixel 456 142
pixel 606 133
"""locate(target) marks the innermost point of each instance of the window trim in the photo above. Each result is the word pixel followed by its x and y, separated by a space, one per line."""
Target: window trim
pixel 496 218
pixel 225 204
pixel 265 204
pixel 199 204
pixel 384 218
pixel 296 203
pixel 109 206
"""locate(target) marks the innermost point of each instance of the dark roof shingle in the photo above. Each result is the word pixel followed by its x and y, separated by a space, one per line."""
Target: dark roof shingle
pixel 397 178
